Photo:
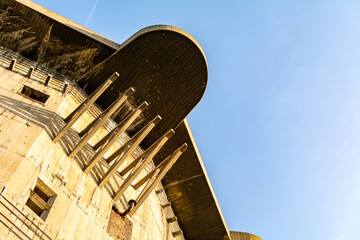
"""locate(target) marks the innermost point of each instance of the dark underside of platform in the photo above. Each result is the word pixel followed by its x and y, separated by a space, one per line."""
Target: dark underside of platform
pixel 166 67
pixel 189 189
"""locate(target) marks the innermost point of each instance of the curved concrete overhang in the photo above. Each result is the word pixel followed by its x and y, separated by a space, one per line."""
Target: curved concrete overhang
pixel 168 28
pixel 243 236
pixel 167 68
pixel 158 59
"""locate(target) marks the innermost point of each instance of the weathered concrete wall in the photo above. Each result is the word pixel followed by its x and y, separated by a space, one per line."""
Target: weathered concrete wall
pixel 81 209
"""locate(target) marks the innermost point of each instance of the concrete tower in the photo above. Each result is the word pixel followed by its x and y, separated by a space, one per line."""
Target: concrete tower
pixel 94 142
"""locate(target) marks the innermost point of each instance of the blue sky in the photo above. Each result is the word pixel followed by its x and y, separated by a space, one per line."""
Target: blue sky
pixel 279 125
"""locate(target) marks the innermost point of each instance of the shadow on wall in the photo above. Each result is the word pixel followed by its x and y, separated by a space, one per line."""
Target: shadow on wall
pixel 36 115
pixel 52 123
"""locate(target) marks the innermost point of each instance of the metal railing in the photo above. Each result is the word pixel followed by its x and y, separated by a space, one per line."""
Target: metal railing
pixel 28 224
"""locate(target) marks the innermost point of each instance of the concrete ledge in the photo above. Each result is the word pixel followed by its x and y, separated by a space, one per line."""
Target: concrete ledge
pixel 243 236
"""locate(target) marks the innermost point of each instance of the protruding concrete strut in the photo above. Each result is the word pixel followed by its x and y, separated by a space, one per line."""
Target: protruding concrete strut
pixel 114 107
pixel 165 205
pixel 144 155
pixel 148 189
pixel 177 233
pixel 120 129
pixel 144 179
pixel 101 120
pixel 47 80
pixel 130 147
pixel 30 72
pixel 171 219
pixel 142 161
pixel 12 64
pixel 135 139
pixel 102 141
pixel 161 166
pixel 85 105
pixel 149 184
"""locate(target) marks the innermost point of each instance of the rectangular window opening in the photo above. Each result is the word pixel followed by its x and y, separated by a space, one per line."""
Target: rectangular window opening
pixel 33 94
pixel 41 199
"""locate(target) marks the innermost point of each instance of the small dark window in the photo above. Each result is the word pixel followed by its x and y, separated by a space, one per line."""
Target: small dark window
pixel 34 94
pixel 41 199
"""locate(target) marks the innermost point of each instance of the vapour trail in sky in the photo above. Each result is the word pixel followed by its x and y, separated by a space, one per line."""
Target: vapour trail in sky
pixel 278 126
pixel 91 13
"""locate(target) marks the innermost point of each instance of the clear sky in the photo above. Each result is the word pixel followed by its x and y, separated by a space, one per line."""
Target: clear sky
pixel 279 125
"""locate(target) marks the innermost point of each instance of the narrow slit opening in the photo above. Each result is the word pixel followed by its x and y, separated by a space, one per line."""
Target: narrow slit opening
pixel 34 94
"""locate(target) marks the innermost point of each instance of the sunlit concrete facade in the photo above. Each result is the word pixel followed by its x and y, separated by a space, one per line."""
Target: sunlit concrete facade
pixel 49 67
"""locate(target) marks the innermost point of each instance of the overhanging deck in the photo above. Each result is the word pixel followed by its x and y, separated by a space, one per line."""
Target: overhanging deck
pixel 189 188
pixel 166 67
pixel 187 184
